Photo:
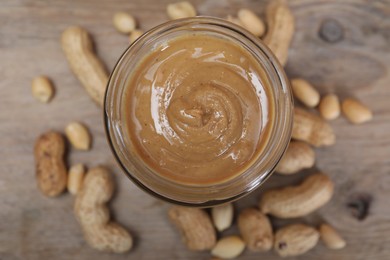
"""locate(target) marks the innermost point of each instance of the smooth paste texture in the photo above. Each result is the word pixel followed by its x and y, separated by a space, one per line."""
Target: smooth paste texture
pixel 197 109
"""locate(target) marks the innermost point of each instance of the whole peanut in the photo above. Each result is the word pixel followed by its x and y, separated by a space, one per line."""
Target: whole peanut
pixel 75 178
pixel 297 157
pixel 42 89
pixel 355 111
pixel 181 10
pixel 88 68
pixel 195 226
pixel 329 107
pixel 295 240
pixel 124 22
pixel 78 136
pixel 298 201
pixel 330 237
pixel 281 26
pixel 251 22
pixel 94 216
pixel 256 230
pixel 305 92
pixel 49 162
pixel 312 129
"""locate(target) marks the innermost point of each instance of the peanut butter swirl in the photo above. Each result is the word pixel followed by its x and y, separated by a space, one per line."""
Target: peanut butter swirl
pixel 197 108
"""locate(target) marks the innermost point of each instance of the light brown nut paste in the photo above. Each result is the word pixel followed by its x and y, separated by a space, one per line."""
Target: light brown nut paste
pixel 198 109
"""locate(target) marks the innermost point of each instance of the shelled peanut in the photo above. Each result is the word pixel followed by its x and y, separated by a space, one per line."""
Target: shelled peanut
pixel 134 35
pixel 222 216
pixel 330 237
pixel 228 247
pixel 42 89
pixel 305 92
pixel 181 10
pixel 124 22
pixel 234 20
pixel 355 111
pixel 250 21
pixel 78 135
pixel 329 107
pixel 75 178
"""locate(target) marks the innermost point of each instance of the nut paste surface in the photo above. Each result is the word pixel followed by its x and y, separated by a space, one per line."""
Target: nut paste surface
pixel 198 109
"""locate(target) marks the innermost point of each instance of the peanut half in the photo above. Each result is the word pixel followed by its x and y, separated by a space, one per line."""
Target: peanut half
pixel 311 128
pixel 124 22
pixel 298 156
pixel 181 10
pixel 329 107
pixel 295 240
pixel 228 247
pixel 281 26
pixel 251 22
pixel 75 178
pixel 134 35
pixel 298 201
pixel 331 238
pixel 305 92
pixel 255 229
pixel 78 136
pixel 94 216
pixel 49 161
pixel 88 68
pixel 222 216
pixel 195 226
pixel 355 111
pixel 42 89
pixel 234 20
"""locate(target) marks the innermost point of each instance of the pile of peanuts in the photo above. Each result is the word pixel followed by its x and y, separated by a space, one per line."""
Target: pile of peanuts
pixel 256 234
pixel 94 189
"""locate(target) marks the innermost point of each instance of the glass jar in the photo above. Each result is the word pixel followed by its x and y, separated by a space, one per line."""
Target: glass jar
pixel 185 194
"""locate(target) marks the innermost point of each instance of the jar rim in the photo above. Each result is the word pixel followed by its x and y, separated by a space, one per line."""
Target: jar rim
pixel 174 192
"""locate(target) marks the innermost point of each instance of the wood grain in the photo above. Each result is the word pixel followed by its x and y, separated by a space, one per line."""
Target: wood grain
pixel 356 64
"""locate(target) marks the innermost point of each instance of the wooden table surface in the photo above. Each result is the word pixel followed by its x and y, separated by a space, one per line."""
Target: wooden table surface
pixel 35 227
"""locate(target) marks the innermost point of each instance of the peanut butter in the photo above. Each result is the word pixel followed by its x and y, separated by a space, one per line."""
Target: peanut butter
pixel 198 109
